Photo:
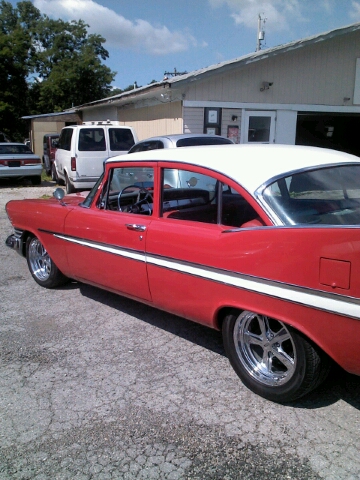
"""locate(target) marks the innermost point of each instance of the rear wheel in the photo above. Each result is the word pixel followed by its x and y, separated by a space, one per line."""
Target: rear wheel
pixel 69 186
pixel 42 268
pixel 54 175
pixel 271 358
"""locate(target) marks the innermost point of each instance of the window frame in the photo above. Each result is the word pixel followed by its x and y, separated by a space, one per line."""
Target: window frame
pixel 221 181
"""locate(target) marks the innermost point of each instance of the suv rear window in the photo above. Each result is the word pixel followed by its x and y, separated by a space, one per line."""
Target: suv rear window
pixel 121 139
pixel 92 140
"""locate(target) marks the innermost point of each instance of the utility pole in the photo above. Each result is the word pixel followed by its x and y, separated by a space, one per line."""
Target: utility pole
pixel 260 32
pixel 175 73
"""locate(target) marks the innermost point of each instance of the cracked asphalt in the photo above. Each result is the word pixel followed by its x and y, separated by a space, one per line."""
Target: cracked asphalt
pixel 96 386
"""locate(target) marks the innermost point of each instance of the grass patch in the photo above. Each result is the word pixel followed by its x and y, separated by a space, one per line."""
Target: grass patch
pixel 45 177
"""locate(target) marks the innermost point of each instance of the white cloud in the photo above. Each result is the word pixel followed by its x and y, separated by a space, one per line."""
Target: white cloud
pixel 355 11
pixel 279 14
pixel 119 32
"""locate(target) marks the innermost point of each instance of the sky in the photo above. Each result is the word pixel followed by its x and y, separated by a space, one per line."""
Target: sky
pixel 146 38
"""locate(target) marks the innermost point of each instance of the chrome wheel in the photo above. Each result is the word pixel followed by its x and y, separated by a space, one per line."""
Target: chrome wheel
pixel 265 348
pixel 42 268
pixel 39 260
pixel 272 359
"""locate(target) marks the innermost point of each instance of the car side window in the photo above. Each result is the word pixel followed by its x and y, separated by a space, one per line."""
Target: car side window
pixel 131 190
pixel 120 139
pixel 65 139
pixel 196 197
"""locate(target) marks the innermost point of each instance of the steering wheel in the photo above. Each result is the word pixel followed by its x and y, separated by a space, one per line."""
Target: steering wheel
pixel 136 207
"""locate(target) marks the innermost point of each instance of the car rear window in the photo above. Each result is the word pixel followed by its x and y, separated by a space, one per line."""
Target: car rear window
pixel 14 149
pixel 328 195
pixel 195 141
pixel 147 145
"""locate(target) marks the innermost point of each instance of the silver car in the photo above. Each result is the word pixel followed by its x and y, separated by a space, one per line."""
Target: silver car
pixel 179 140
pixel 18 161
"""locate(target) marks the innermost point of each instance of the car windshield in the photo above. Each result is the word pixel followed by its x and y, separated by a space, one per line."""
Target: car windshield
pixel 14 149
pixel 88 200
pixel 329 196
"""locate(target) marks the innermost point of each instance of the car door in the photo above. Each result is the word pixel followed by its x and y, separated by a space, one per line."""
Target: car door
pixel 91 151
pixel 63 153
pixel 106 242
pixel 187 242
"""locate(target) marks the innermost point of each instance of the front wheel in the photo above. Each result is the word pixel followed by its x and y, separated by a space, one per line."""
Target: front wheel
pixel 42 268
pixel 272 359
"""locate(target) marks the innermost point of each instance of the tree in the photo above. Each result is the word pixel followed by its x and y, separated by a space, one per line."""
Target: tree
pixel 47 65
pixel 15 59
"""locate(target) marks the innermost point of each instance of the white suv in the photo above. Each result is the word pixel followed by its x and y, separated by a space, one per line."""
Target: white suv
pixel 82 150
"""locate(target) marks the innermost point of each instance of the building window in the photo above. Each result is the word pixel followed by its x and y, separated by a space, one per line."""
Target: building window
pixel 212 120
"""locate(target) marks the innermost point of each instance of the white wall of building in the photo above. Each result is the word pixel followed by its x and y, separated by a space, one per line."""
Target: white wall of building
pixel 285 129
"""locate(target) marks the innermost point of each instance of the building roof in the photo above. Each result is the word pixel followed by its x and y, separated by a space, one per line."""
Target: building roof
pixel 211 70
pixel 56 114
pixel 229 64
pixel 266 53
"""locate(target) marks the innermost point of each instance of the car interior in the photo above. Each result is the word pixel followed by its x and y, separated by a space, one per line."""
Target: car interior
pixel 184 196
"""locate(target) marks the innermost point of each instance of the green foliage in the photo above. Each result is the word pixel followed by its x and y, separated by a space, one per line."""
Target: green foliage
pixel 46 65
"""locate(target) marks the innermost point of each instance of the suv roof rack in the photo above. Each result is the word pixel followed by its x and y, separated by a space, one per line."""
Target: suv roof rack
pixel 102 122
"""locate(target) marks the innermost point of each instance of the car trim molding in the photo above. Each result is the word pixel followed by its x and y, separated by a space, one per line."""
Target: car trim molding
pixel 333 303
pixel 123 252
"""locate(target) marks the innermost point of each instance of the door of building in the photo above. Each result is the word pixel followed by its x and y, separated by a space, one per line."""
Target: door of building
pixel 259 127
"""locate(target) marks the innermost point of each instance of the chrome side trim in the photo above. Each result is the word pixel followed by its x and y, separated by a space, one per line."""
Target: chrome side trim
pixel 320 300
pixel 122 252
pixel 329 302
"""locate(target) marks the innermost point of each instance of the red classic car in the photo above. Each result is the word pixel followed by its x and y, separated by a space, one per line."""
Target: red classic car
pixel 262 242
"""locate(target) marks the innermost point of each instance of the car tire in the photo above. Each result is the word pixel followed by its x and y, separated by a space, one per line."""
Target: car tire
pixel 272 359
pixel 42 268
pixel 36 180
pixel 47 170
pixel 54 175
pixel 69 187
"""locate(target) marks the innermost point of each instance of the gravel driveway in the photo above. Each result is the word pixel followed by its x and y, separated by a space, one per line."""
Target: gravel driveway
pixel 95 386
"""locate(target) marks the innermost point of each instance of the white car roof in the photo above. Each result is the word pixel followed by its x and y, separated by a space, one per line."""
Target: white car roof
pixel 249 165
pixel 179 136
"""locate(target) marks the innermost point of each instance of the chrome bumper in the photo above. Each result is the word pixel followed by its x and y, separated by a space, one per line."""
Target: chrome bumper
pixel 16 242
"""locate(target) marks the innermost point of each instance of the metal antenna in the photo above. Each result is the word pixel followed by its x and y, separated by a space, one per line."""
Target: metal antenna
pixel 260 31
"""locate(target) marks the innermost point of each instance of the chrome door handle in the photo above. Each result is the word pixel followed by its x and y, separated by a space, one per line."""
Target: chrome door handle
pixel 136 227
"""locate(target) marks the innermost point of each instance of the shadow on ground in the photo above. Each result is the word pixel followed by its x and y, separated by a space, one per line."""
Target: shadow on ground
pixel 24 182
pixel 339 385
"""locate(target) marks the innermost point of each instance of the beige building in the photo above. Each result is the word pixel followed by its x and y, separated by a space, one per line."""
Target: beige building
pixel 40 125
pixel 304 92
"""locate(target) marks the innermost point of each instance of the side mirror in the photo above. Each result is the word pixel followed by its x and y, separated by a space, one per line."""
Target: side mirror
pixel 59 194
pixel 192 182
